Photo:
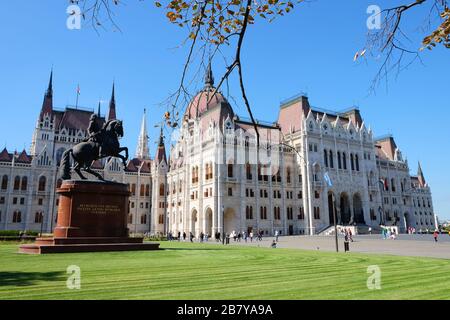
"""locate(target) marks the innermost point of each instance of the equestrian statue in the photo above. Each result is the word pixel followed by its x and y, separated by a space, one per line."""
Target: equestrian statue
pixel 102 142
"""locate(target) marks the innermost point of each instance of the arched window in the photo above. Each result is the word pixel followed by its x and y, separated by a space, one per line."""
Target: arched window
pixel 161 189
pixel 352 161
pixel 230 170
pixel 357 162
pixel 17 183
pixel 288 175
pixel 147 190
pixel 393 185
pixel 331 159
pixel 325 158
pixel 42 182
pixel 5 182
pixel 142 190
pixel 24 184
pixel 248 170
pixel 344 160
pixel 59 154
pixel 38 217
pixel 17 217
pixel 133 189
pixel 339 160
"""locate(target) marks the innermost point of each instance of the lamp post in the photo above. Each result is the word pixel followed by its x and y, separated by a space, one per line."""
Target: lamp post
pixel 334 222
pixel 223 224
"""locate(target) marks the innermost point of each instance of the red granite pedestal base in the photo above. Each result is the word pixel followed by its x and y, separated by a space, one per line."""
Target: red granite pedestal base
pixel 92 217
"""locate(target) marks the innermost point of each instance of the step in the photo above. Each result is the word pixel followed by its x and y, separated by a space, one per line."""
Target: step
pixel 96 247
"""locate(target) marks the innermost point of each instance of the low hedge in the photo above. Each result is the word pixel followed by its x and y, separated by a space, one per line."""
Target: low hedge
pixel 17 233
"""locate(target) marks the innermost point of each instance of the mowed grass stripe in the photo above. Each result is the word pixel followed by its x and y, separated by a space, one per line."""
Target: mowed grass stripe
pixel 205 271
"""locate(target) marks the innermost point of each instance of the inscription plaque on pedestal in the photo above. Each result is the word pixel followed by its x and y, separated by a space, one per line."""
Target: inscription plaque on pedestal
pixel 92 216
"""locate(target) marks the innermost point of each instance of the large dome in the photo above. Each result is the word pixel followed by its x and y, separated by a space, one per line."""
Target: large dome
pixel 207 100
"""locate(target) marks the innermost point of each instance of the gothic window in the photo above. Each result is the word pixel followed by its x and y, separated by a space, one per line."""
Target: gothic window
pixel 59 154
pixel 316 213
pixel 325 158
pixel 133 189
pixel 393 185
pixel 17 183
pixel 331 160
pixel 344 160
pixel 142 191
pixel 339 160
pixel 161 189
pixel 5 182
pixel 144 219
pixel 352 162
pixel 24 184
pixel 147 190
pixel 301 213
pixel 288 175
pixel 357 162
pixel 38 217
pixel 17 217
pixel 230 170
pixel 248 169
pixel 42 182
pixel 130 218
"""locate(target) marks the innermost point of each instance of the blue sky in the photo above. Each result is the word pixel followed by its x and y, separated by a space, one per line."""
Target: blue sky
pixel 309 50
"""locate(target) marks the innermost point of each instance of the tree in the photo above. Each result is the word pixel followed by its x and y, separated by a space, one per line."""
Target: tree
pixel 212 24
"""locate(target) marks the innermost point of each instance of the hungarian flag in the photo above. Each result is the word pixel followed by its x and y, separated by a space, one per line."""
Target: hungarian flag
pixel 385 183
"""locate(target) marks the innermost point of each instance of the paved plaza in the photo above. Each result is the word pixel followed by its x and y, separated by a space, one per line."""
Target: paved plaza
pixel 404 245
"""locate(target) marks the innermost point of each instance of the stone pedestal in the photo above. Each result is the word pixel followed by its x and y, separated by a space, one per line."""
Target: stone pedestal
pixel 92 216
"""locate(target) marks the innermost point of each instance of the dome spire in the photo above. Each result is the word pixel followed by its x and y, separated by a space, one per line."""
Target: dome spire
pixel 209 78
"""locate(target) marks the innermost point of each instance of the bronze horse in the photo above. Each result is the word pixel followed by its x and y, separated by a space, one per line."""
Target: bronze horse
pixel 86 153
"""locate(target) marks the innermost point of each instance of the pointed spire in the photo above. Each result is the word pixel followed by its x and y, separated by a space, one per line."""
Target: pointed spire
pixel 98 109
pixel 209 78
pixel 142 151
pixel 420 176
pixel 161 152
pixel 47 104
pixel 50 85
pixel 112 105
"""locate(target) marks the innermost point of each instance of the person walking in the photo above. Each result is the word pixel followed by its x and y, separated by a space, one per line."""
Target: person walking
pixel 227 239
pixel 184 236
pixel 435 236
pixel 276 235
pixel 201 236
pixel 191 237
pixel 350 235
pixel 179 236
pixel 251 236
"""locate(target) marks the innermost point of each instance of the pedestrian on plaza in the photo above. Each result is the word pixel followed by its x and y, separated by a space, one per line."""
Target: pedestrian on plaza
pixel 350 235
pixel 251 236
pixel 245 236
pixel 370 230
pixel 184 236
pixel 227 237
pixel 179 236
pixel 276 235
pixel 191 237
pixel 435 236
pixel 274 244
pixel 201 236
pixel 239 236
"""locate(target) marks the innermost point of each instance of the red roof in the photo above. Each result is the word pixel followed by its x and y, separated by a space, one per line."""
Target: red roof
pixel 74 119
pixel 23 157
pixel 5 156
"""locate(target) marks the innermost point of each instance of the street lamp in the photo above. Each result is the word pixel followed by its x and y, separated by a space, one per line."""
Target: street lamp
pixel 223 225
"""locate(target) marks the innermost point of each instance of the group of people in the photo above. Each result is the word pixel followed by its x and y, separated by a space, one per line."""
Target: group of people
pixel 388 233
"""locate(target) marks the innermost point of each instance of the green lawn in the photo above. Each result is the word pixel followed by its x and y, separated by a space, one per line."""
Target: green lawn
pixel 206 271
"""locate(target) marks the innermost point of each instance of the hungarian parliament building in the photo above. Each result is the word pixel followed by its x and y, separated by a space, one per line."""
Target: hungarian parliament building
pixel 298 175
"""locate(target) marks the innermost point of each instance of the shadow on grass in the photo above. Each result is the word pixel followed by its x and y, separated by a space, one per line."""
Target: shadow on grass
pixel 21 279
pixel 195 249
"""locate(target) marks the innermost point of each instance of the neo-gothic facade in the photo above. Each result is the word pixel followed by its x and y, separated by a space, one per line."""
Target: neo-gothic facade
pixel 308 165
